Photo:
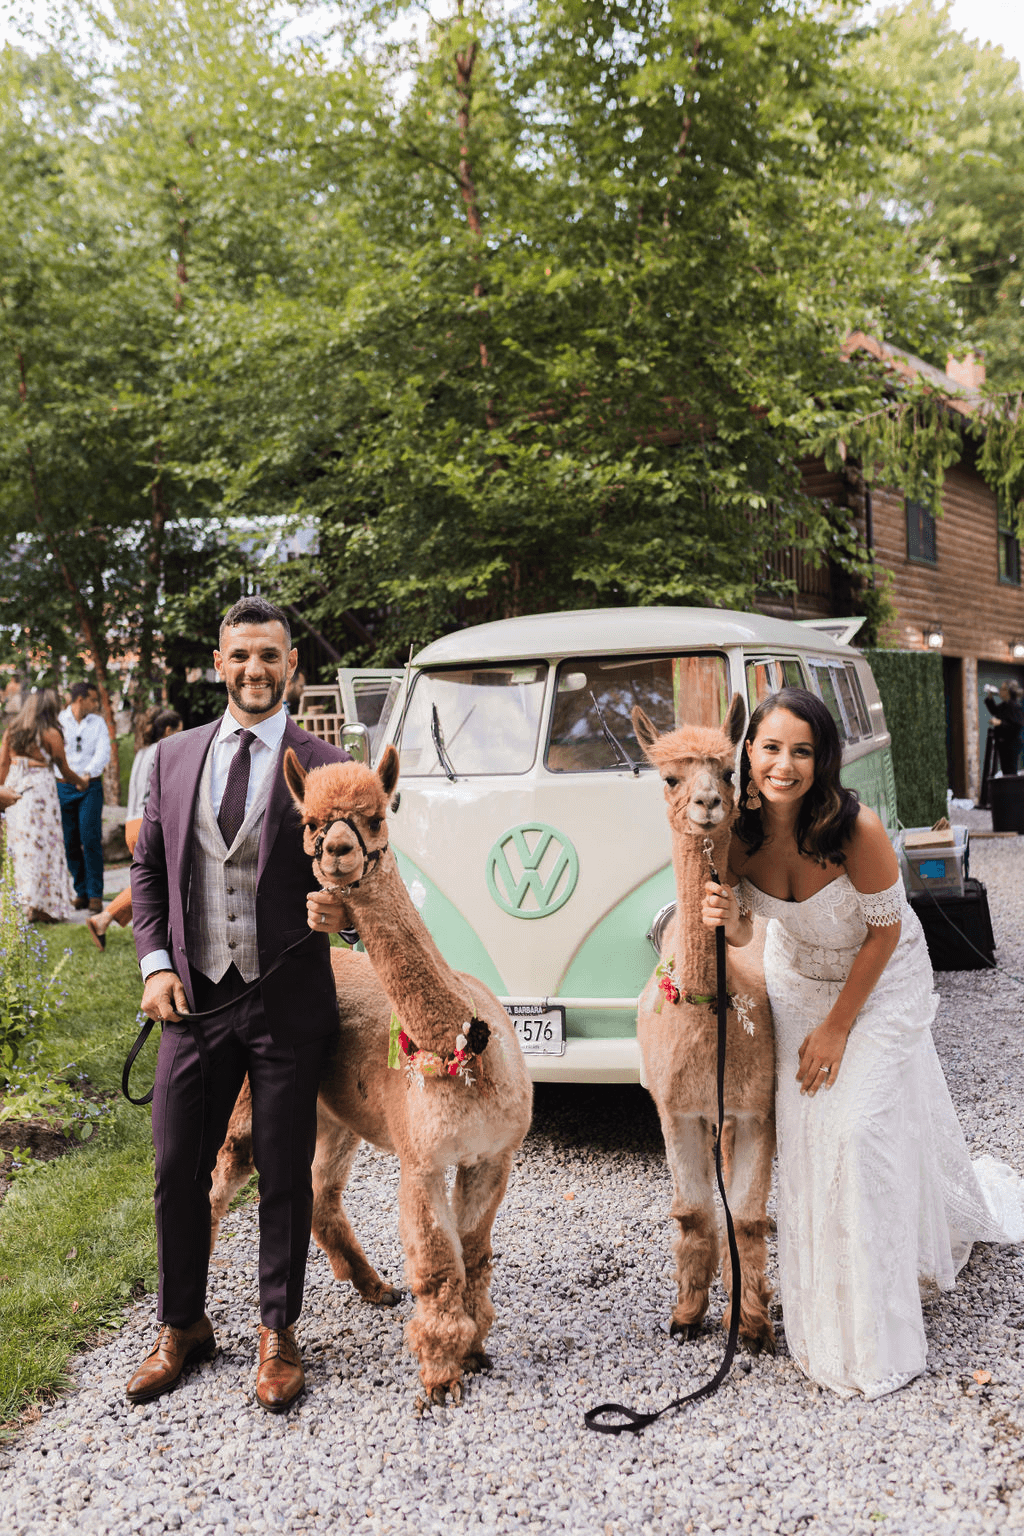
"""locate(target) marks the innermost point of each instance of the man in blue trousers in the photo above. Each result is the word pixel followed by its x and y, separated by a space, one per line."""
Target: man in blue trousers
pixel 87 744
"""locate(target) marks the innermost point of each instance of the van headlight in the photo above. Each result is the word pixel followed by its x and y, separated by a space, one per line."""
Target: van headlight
pixel 659 926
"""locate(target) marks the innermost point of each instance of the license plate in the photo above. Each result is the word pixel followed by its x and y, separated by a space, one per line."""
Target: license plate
pixel 541 1031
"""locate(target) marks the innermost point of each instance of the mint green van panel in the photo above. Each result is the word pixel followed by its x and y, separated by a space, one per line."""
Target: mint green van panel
pixel 449 929
pixel 873 778
pixel 616 959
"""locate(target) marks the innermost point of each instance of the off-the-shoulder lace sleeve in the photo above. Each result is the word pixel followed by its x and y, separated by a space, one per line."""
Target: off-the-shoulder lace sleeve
pixel 882 909
pixel 746 895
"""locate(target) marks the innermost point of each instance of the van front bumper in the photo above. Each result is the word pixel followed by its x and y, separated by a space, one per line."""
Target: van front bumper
pixel 590 1061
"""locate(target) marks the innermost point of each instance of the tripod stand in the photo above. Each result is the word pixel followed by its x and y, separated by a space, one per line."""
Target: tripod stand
pixel 984 801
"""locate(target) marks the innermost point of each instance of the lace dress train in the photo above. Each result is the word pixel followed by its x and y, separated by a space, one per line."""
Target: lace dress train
pixel 877 1191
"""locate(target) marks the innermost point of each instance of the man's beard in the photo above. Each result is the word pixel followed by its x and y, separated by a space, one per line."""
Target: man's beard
pixel 276 695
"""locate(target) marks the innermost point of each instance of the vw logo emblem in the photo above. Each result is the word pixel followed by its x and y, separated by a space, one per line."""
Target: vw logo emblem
pixel 532 870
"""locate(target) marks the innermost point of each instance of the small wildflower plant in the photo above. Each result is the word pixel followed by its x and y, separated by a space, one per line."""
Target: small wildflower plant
pixel 31 995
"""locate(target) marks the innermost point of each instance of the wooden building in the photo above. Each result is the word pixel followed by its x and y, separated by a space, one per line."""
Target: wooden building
pixel 956 579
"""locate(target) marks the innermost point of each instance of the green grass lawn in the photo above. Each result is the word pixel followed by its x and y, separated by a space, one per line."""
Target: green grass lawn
pixel 76 1235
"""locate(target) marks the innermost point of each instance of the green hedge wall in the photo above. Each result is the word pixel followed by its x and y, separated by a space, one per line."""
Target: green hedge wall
pixel 910 683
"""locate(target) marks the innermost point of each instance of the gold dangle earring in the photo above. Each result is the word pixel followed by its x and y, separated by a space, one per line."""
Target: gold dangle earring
pixel 753 800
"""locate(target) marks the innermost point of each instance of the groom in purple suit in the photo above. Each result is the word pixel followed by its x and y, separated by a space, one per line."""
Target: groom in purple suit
pixel 219 892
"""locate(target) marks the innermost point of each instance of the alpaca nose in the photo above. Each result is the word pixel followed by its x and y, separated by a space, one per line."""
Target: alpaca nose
pixel 708 799
pixel 339 844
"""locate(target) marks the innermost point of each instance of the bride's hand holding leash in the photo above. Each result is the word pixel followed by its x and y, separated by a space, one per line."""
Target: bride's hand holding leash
pixel 721 909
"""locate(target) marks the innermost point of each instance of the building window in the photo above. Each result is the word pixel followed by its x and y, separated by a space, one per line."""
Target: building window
pixel 921 534
pixel 1009 551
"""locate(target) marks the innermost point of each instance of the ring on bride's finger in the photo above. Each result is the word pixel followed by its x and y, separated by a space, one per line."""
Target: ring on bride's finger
pixel 827 1071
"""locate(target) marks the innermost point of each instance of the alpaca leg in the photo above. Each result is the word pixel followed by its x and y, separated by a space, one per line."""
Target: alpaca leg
pixel 234 1165
pixel 336 1148
pixel 748 1196
pixel 439 1333
pixel 688 1145
pixel 479 1191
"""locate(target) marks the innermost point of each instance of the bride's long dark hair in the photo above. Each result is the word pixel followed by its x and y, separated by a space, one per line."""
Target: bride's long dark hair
pixel 829 809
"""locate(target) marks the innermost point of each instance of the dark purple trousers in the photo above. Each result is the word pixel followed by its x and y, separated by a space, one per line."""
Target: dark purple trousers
pixel 189 1128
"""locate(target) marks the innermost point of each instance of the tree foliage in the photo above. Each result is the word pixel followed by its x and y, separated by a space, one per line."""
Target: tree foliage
pixel 958 181
pixel 518 310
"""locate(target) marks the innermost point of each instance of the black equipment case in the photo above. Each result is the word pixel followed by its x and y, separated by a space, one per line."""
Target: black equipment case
pixel 953 924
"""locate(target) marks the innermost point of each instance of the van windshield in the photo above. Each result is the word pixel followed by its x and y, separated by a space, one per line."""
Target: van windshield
pixel 474 720
pixel 591 729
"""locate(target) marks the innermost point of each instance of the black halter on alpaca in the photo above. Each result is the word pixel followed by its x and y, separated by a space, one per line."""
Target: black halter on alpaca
pixel 370 858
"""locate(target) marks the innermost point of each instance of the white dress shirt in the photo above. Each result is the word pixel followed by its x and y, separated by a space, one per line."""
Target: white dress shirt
pixel 86 743
pixel 262 757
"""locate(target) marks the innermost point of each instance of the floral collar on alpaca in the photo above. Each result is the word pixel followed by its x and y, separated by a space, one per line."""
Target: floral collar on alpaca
pixel 470 1042
pixel 668 986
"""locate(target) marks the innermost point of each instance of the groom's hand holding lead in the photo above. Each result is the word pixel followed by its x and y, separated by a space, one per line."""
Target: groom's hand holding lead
pixel 163 997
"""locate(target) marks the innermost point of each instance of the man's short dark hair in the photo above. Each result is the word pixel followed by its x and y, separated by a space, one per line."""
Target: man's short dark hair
pixel 82 690
pixel 255 610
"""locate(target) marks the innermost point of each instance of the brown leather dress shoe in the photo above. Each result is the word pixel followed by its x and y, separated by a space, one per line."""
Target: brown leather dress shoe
pixel 80 903
pixel 95 904
pixel 281 1377
pixel 174 1349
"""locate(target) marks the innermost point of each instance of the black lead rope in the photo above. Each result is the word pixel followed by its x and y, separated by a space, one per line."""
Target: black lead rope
pixel 634 1422
pixel 190 1019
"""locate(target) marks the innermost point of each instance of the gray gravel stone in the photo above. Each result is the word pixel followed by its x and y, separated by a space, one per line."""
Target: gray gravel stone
pixel 583 1292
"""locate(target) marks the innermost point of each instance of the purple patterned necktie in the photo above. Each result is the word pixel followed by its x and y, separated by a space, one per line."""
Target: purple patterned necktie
pixel 232 806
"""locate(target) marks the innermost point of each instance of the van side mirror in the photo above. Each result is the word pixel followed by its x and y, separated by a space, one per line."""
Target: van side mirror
pixel 355 739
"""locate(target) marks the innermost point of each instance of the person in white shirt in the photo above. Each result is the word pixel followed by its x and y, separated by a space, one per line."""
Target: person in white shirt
pixel 87 744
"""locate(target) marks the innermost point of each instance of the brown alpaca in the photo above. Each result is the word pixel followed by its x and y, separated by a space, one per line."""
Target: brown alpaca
pixel 678 1039
pixel 475 1119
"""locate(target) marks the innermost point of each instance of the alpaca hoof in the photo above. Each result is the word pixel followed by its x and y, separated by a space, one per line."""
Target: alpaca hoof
pixel 478 1362
pixel 439 1395
pixel 686 1331
pixel 386 1296
pixel 755 1343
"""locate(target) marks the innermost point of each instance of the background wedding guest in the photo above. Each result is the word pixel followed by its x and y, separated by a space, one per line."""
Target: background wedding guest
pixel 160 722
pixel 87 742
pixel 33 744
pixel 1009 718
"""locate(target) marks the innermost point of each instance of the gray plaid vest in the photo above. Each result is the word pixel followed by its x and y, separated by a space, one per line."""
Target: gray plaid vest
pixel 220 923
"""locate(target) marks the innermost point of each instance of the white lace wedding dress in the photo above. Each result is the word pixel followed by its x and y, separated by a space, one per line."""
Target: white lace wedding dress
pixel 877 1191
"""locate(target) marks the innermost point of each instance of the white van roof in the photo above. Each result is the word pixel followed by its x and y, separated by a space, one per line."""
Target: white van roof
pixel 603 631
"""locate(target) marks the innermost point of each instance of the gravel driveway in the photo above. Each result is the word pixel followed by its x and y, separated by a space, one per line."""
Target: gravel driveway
pixel 583 1294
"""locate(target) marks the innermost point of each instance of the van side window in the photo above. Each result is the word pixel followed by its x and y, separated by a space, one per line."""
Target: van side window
pixel 824 687
pixel 591 728
pixel 837 685
pixel 765 676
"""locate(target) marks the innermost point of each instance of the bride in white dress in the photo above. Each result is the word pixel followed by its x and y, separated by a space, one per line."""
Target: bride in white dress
pixel 877 1192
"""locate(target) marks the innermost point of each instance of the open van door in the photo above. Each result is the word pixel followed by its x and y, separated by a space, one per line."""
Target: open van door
pixel 368 697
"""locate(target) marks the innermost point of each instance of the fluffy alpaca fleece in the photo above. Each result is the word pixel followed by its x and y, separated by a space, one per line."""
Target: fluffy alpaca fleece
pixel 678 1040
pixel 475 1122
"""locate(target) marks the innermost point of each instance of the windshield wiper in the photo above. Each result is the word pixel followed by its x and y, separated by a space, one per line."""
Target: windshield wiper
pixel 438 740
pixel 616 746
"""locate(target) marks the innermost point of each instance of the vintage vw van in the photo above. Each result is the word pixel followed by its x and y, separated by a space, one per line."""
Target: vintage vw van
pixel 530 830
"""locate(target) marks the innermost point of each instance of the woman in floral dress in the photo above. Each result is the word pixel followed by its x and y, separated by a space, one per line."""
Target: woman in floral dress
pixel 32 745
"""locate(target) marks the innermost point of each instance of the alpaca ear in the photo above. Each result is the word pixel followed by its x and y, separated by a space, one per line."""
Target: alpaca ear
pixel 294 776
pixel 735 721
pixel 646 731
pixel 387 769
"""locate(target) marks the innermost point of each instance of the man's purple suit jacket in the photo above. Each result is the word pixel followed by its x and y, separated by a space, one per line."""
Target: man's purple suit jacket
pixel 300 995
